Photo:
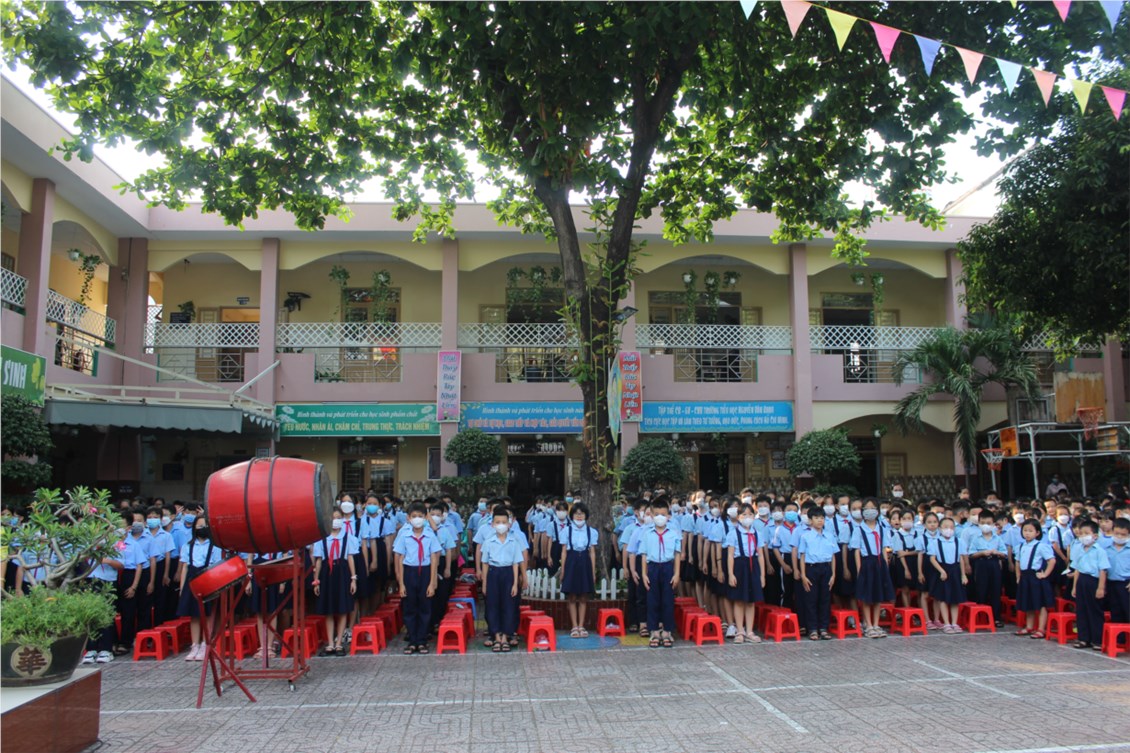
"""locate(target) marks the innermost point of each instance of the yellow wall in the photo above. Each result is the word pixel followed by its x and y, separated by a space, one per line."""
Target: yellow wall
pixel 10 243
pixel 419 290
pixel 919 300
pixel 208 286
pixel 928 454
pixel 66 279
pixel 758 288
pixel 18 183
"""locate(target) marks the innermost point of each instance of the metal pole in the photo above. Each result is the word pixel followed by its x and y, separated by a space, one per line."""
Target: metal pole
pixel 1032 459
pixel 1082 464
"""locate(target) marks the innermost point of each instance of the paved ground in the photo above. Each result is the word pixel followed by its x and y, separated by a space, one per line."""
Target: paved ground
pixel 951 694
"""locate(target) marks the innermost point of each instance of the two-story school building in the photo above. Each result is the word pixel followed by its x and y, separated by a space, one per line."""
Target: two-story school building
pixel 173 345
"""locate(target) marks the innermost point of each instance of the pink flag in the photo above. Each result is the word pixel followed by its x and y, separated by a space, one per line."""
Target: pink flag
pixel 1115 98
pixel 1062 7
pixel 886 37
pixel 972 62
pixel 1046 82
pixel 795 11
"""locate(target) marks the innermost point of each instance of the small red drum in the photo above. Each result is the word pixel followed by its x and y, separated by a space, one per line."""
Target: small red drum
pixel 269 505
pixel 273 573
pixel 212 582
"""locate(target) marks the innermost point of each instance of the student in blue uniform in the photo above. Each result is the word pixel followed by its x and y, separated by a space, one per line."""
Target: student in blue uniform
pixel 949 587
pixel 745 565
pixel 987 553
pixel 817 552
pixel 102 577
pixel 1035 562
pixel 1090 564
pixel 445 581
pixel 849 520
pixel 927 539
pixel 873 585
pixel 1061 538
pixel 1118 578
pixel 265 601
pixel 196 556
pixel 578 567
pixel 336 590
pixel 904 550
pixel 629 563
pixel 501 556
pixel 659 549
pixel 374 552
pixel 161 547
pixel 135 584
pixel 417 553
pixel 558 527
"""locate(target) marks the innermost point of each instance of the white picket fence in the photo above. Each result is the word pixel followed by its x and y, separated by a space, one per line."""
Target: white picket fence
pixel 542 585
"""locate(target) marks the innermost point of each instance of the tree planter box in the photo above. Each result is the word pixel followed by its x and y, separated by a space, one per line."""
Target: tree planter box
pixel 558 609
pixel 61 717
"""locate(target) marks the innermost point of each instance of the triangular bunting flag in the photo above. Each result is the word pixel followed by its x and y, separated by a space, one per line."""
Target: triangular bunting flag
pixel 972 61
pixel 886 36
pixel 1046 82
pixel 1082 91
pixel 747 6
pixel 1013 3
pixel 1112 9
pixel 1061 7
pixel 1011 73
pixel 929 49
pixel 795 11
pixel 1115 98
pixel 842 24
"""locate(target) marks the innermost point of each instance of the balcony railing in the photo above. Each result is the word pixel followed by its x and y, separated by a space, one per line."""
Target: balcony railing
pixel 74 316
pixel 869 353
pixel 357 351
pixel 525 352
pixel 13 290
pixel 715 352
pixel 210 352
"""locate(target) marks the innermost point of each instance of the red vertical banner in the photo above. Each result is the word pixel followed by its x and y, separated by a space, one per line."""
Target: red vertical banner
pixel 631 386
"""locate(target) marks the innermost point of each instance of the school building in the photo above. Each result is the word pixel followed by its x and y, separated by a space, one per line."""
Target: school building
pixel 172 344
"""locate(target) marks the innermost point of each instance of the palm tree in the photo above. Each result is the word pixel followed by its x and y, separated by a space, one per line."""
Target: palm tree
pixel 960 363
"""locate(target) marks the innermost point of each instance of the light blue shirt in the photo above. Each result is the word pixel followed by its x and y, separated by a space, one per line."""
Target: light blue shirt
pixel 980 544
pixel 782 539
pixel 407 544
pixel 579 539
pixel 106 572
pixel 947 551
pixel 558 529
pixel 1089 560
pixel 649 545
pixel 161 544
pixel 350 544
pixel 818 546
pixel 1061 535
pixel 1034 554
pixel 136 552
pixel 446 537
pixel 841 527
pixel 739 540
pixel 863 539
pixel 503 553
pixel 455 521
pixel 905 541
pixel 181 534
pixel 195 554
pixel 376 526
pixel 1119 561
pixel 627 534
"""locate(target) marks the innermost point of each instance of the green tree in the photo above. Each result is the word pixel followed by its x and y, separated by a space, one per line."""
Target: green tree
pixel 24 442
pixel 652 463
pixel 480 452
pixel 826 454
pixel 1054 256
pixel 688 109
pixel 961 363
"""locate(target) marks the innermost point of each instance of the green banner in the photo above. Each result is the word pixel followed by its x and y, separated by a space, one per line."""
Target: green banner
pixel 23 374
pixel 357 419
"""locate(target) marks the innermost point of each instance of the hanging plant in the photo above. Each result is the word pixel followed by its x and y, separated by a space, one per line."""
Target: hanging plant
pixel 711 282
pixel 730 279
pixel 877 289
pixel 340 275
pixel 189 308
pixel 87 264
pixel 690 297
pixel 538 278
pixel 381 296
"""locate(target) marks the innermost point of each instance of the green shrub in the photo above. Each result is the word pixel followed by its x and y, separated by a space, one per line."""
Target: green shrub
pixel 44 615
pixel 654 462
pixel 473 447
pixel 824 454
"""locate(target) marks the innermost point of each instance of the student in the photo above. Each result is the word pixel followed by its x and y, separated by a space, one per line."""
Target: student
pixel 1035 563
pixel 417 553
pixel 445 583
pixel 1118 579
pixel 103 576
pixel 629 562
pixel 195 557
pixel 335 594
pixel 501 558
pixel 1090 564
pixel 559 527
pixel 659 549
pixel 928 539
pixel 949 587
pixel 845 584
pixel 135 584
pixel 376 532
pixel 1061 538
pixel 721 541
pixel 873 584
pixel 817 553
pixel 161 547
pixel 745 568
pixel 265 603
pixel 578 567
pixel 987 553
pixel 905 547
pixel 782 551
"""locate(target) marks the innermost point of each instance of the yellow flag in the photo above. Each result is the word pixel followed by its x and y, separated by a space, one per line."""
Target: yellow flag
pixel 1082 91
pixel 841 25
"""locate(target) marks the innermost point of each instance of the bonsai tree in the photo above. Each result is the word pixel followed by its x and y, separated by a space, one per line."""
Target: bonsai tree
pixel 654 462
pixel 480 452
pixel 25 439
pixel 826 455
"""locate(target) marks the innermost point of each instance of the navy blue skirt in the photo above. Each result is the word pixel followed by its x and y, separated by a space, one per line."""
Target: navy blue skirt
pixel 333 594
pixel 1034 594
pixel 898 575
pixel 578 577
pixel 747 572
pixel 950 590
pixel 873 582
pixel 846 587
pixel 187 605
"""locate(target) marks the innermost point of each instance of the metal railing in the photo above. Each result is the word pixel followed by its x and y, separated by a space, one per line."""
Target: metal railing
pixel 357 351
pixel 76 316
pixel 208 351
pixel 715 352
pixel 525 352
pixel 13 290
pixel 869 353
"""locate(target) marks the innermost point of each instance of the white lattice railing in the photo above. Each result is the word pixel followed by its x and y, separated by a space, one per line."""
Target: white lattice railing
pixel 13 288
pixel 714 337
pixel 1039 344
pixel 72 314
pixel 869 338
pixel 358 334
pixel 492 336
pixel 206 335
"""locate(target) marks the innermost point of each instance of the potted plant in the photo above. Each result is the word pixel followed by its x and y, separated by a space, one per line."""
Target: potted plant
pixel 43 633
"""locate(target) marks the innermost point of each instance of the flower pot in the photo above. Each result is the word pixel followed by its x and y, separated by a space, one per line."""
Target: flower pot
pixel 21 666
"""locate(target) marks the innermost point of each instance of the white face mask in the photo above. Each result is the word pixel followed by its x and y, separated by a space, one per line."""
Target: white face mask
pixel 907 525
pixel 1087 539
pixel 165 520
pixel 437 519
pixel 347 508
pixel 778 516
pixel 647 520
pixel 675 509
pixel 829 510
pixel 416 522
pixel 857 514
pixel 660 520
pixel 987 528
pixel 337 524
pixel 763 512
pixel 731 512
pixel 1064 519
pixel 747 522
pixel 897 494
pixel 1018 518
pixel 947 533
pixel 579 523
pixel 715 512
pixel 747 500
pixel 562 514
pixel 804 519
pixel 1120 540
pixel 501 527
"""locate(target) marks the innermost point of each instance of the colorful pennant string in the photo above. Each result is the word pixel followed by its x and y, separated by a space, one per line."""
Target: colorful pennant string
pixel 795 11
pixel 1010 72
pixel 971 60
pixel 1061 7
pixel 1046 82
pixel 747 7
pixel 886 36
pixel 1116 98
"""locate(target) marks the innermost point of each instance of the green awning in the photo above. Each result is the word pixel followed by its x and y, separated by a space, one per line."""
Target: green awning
pixel 177 417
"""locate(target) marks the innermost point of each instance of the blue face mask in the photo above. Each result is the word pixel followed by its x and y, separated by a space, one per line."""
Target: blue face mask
pixel 14 521
pixel 482 506
pixel 569 500
pixel 188 519
pixel 153 524
pixel 371 509
pixel 792 516
pixel 388 506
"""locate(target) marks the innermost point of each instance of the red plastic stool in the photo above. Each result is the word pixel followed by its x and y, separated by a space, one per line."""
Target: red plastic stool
pixel 386 619
pixel 1008 609
pixel 367 637
pixel 1061 626
pixel 309 637
pixel 318 622
pixel 610 622
pixel 688 616
pixel 174 633
pixel 904 621
pixel 151 644
pixel 236 642
pixel 452 635
pixel 706 627
pixel 464 616
pixel 977 617
pixel 1112 631
pixel 782 625
pixel 1064 605
pixel 840 627
pixel 887 608
pixel 761 616
pixel 526 617
pixel 393 611
pixel 540 634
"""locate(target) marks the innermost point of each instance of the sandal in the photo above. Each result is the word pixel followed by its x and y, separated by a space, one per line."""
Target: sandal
pixel 513 643
pixel 825 635
pixel 489 643
pixel 752 638
pixel 422 649
pixel 1081 644
pixel 739 638
pixel 1036 635
pixel 505 648
pixel 653 643
pixel 409 650
pixel 814 636
pixel 644 633
pixel 325 650
pixel 340 650
pixel 1023 631
pixel 496 648
pixel 575 633
pixel 667 642
pixel 582 632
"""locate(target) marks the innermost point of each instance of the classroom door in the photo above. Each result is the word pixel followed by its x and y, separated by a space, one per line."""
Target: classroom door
pixel 531 475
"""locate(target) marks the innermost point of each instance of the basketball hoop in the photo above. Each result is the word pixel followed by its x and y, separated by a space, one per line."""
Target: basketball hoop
pixel 994 456
pixel 1090 418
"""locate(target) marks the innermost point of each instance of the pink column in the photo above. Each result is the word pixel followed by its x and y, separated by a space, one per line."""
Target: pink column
pixel 268 319
pixel 630 430
pixel 133 309
pixel 449 333
pixel 955 291
pixel 35 265
pixel 1114 380
pixel 802 343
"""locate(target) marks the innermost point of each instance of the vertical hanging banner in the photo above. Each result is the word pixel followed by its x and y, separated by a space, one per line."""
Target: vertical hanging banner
pixel 631 386
pixel 448 385
pixel 615 396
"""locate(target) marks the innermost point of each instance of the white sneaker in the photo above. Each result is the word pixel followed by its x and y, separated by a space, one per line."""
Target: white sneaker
pixel 104 657
pixel 88 657
pixel 731 631
pixel 198 652
pixel 191 655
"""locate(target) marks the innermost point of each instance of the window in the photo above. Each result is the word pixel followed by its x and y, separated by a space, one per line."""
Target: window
pixel 670 307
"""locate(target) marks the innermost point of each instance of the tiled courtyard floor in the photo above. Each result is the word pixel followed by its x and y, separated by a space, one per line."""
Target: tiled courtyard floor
pixel 951 694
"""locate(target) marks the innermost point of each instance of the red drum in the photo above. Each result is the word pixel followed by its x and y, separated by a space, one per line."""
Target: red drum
pixel 269 505
pixel 212 582
pixel 273 573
